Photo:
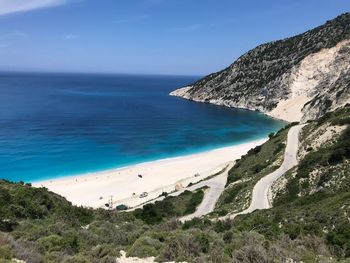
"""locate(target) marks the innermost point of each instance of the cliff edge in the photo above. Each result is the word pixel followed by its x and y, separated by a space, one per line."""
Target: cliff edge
pixel 295 79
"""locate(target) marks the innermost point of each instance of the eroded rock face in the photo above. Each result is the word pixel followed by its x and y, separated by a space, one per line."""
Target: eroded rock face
pixel 333 88
pixel 315 83
pixel 296 79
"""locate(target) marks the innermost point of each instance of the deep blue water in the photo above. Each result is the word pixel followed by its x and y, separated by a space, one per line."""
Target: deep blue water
pixel 55 125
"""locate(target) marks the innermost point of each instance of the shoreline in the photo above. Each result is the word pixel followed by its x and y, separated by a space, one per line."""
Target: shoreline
pixel 274 114
pixel 141 162
pixel 124 185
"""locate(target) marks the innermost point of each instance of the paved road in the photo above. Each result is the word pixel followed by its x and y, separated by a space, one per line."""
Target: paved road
pixel 260 191
pixel 260 198
pixel 216 187
pixel 206 182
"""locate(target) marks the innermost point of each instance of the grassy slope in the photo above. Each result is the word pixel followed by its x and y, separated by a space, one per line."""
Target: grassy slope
pixel 257 163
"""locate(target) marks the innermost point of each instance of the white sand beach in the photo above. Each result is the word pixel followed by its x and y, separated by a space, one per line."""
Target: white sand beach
pixel 124 185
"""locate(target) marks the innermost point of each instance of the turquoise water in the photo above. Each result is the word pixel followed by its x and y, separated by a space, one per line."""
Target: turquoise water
pixel 54 125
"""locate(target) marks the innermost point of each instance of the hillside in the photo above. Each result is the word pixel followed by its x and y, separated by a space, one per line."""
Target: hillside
pixel 298 78
pixel 309 221
pixel 39 226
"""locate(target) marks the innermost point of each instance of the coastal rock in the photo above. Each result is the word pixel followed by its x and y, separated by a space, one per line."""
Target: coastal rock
pixel 295 79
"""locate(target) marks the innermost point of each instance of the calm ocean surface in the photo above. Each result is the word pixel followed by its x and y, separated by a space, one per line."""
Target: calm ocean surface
pixel 54 125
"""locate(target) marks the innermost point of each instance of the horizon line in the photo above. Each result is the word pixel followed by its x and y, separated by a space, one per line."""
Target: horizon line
pixel 2 71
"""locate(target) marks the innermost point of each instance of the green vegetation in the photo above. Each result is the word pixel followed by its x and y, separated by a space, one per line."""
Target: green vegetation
pixel 309 221
pixel 40 226
pixel 329 164
pixel 184 204
pixel 339 117
pixel 19 202
pixel 257 163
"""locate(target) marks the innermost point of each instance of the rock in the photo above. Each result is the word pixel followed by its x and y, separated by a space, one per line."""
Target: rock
pixel 295 79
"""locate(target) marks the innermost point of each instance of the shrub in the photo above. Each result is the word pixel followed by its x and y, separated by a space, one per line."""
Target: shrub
pixel 145 247
pixel 293 230
pixel 336 157
pixel 258 168
pixel 202 240
pixel 185 203
pixel 232 192
pixel 195 200
pixel 149 214
pixel 233 177
pixel 5 252
pixel 254 253
pixel 78 259
pixel 255 150
pixel 279 148
pixel 291 194
pixel 51 243
pixel 339 238
pixel 104 253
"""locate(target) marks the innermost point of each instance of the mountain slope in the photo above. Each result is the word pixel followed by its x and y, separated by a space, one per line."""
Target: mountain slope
pixel 323 154
pixel 299 78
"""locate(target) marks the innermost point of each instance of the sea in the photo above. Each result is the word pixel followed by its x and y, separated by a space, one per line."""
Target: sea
pixel 54 125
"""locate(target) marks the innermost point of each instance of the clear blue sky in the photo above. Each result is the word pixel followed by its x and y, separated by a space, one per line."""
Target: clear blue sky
pixel 188 37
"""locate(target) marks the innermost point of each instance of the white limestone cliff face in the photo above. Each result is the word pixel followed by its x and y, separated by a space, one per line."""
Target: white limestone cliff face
pixel 314 76
pixel 313 79
pixel 295 79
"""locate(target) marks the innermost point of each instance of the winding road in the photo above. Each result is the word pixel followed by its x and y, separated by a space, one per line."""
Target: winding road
pixel 216 187
pixel 260 198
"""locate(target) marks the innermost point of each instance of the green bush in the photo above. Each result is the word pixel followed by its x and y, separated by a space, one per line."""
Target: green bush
pixel 145 247
pixel 184 204
pixel 292 191
pixel 279 148
pixel 51 243
pixel 104 253
pixel 232 192
pixel 339 238
pixel 78 259
pixel 255 150
pixel 6 252
pixel 195 200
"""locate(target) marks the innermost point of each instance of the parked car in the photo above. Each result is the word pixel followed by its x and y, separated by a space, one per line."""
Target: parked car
pixel 144 194
pixel 121 207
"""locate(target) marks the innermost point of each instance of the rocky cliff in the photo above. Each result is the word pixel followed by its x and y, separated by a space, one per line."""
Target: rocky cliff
pixel 295 79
